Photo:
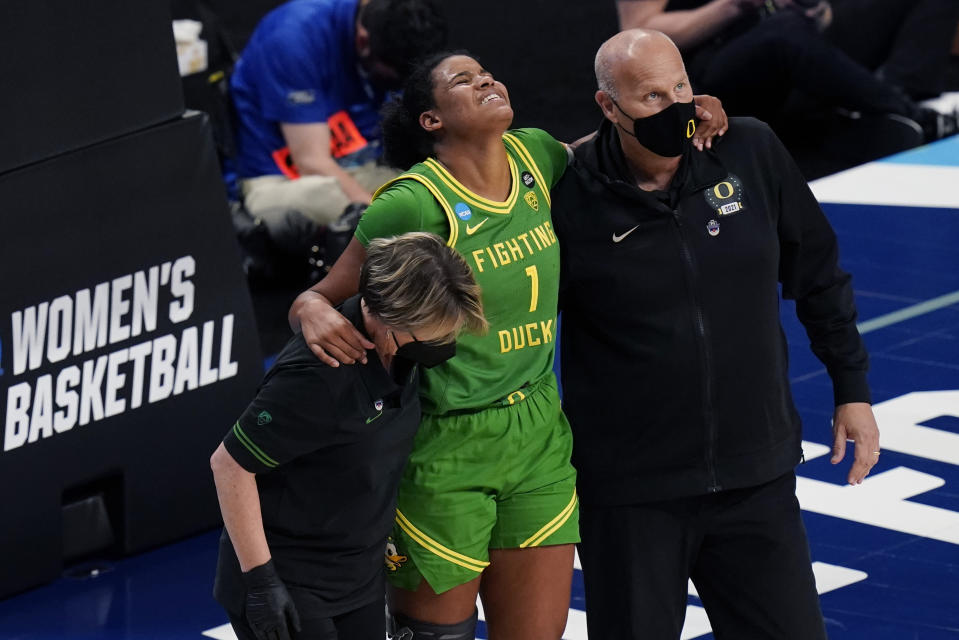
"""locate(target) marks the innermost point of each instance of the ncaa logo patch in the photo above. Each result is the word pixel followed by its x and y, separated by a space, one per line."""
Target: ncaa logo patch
pixel 378 405
pixel 726 197
pixel 462 211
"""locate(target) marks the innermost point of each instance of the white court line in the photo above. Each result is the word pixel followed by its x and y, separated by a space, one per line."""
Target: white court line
pixel 919 309
pixel 828 578
pixel 223 632
pixel 890 184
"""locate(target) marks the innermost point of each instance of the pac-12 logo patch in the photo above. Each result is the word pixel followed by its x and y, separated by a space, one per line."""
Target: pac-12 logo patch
pixel 532 200
pixel 462 211
pixel 527 178
pixel 378 405
pixel 726 197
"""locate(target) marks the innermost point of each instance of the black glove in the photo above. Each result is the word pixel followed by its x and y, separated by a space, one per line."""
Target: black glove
pixel 269 607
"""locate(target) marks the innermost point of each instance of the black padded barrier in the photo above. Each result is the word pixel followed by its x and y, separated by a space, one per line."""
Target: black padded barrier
pixel 76 73
pixel 127 345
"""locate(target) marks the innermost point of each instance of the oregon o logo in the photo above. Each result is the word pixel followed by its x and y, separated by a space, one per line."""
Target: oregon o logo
pixel 726 197
pixel 719 192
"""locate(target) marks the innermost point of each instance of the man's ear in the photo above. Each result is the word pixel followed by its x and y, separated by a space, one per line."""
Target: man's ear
pixel 430 121
pixel 605 103
pixel 362 41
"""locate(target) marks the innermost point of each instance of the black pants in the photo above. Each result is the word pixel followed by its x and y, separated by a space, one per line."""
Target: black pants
pixel 755 72
pixel 745 550
pixel 366 623
pixel 908 40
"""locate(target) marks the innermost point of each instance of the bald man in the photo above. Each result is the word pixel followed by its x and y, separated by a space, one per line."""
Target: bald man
pixel 675 365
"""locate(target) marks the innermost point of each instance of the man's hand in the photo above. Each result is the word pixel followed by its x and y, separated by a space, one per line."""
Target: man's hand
pixel 820 13
pixel 309 144
pixel 854 421
pixel 712 121
pixel 269 607
pixel 330 336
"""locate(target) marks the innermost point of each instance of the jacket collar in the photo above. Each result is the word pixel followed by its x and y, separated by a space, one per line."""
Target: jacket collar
pixel 378 380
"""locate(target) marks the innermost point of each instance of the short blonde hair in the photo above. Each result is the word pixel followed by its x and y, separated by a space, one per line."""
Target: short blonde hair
pixel 414 282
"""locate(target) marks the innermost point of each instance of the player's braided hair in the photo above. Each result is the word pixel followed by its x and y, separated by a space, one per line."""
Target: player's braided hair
pixel 405 142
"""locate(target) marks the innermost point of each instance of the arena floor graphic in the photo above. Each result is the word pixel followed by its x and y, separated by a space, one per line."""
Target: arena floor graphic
pixel 886 553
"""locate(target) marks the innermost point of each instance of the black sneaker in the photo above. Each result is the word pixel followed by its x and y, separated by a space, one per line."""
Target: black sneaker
pixel 936 125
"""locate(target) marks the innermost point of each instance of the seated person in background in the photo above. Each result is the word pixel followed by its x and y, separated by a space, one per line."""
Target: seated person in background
pixel 307 477
pixel 752 54
pixel 906 42
pixel 307 91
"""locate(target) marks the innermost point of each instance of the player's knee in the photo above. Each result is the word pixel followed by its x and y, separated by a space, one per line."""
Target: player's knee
pixel 406 628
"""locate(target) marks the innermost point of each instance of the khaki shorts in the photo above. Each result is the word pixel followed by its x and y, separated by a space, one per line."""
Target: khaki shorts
pixel 317 197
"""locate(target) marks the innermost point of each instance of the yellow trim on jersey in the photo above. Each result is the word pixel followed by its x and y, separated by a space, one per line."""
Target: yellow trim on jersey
pixel 491 205
pixel 552 526
pixel 388 184
pixel 426 182
pixel 436 548
pixel 528 159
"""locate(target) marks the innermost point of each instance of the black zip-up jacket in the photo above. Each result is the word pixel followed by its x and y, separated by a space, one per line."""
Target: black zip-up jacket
pixel 674 361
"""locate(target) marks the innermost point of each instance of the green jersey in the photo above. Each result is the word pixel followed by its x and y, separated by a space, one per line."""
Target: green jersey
pixel 514 255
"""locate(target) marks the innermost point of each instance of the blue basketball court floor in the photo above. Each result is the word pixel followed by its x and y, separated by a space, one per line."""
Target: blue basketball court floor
pixel 886 553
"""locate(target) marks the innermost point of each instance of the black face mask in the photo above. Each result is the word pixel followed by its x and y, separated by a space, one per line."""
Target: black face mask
pixel 428 355
pixel 667 133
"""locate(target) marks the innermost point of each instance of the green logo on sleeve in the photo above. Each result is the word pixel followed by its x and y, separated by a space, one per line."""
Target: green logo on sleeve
pixel 264 418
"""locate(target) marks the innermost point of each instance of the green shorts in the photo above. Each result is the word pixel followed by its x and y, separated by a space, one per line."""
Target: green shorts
pixel 497 478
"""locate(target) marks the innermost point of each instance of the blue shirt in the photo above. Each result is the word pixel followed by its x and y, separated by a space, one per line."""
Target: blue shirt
pixel 301 66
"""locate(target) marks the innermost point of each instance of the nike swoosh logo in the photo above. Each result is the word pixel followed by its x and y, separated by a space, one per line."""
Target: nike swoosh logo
pixel 369 420
pixel 471 230
pixel 619 238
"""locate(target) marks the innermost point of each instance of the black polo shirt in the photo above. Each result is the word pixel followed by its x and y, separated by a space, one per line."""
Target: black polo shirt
pixel 328 446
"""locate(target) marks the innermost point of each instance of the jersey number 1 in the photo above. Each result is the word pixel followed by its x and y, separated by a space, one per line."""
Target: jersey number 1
pixel 534 294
